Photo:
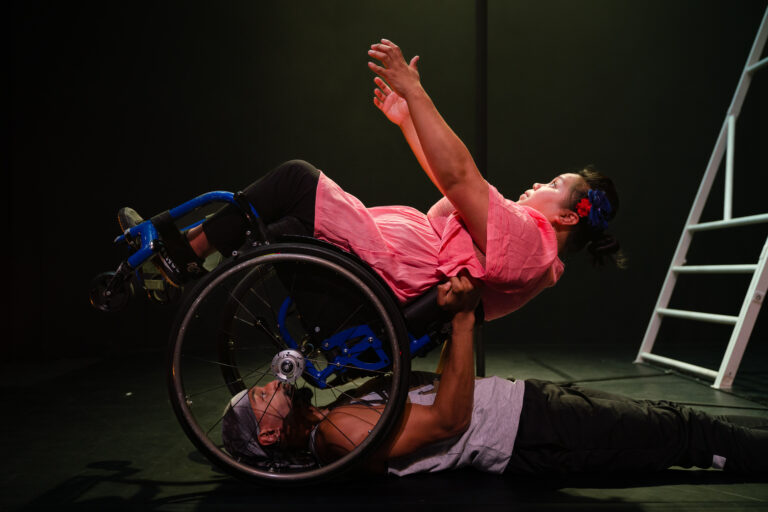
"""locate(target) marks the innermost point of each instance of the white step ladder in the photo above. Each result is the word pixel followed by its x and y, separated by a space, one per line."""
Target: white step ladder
pixel 745 321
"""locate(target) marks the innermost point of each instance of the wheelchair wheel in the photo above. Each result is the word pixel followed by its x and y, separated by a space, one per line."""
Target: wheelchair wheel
pixel 304 314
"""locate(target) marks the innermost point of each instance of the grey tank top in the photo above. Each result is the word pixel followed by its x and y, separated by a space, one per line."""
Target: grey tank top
pixel 488 442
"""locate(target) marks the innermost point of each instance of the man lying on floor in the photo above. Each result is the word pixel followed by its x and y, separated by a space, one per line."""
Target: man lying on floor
pixel 497 425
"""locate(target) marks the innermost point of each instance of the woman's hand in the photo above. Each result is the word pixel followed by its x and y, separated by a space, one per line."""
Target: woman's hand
pixel 389 102
pixel 402 77
pixel 442 155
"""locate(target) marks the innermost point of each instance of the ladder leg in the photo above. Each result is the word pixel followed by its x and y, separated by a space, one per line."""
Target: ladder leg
pixel 759 285
pixel 743 328
pixel 685 241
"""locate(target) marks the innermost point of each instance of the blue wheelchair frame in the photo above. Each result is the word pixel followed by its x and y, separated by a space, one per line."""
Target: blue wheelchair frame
pixel 147 233
pixel 348 344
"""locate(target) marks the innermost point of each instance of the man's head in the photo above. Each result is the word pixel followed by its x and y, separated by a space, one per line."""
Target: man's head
pixel 262 419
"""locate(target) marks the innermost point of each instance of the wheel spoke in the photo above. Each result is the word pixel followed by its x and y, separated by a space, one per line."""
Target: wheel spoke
pixel 261 374
pixel 346 321
pixel 326 418
pixel 231 294
pixel 351 398
pixel 221 417
pixel 232 329
pixel 349 366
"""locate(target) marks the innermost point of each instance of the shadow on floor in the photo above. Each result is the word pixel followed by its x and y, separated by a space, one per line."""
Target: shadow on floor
pixel 115 485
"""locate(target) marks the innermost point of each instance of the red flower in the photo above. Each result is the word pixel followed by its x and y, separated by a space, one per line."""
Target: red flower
pixel 583 207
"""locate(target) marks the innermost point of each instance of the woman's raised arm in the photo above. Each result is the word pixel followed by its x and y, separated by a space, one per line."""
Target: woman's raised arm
pixel 396 109
pixel 452 167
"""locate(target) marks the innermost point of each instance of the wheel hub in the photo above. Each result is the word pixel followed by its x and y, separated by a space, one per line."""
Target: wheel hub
pixel 288 365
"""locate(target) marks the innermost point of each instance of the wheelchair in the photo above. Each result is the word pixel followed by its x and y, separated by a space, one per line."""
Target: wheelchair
pixel 294 309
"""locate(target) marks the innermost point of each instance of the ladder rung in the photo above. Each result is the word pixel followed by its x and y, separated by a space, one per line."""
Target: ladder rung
pixel 674 363
pixel 757 65
pixel 696 315
pixel 715 269
pixel 739 221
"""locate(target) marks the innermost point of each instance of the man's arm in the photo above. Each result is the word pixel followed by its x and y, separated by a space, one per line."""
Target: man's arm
pixel 447 417
pixel 447 158
pixel 420 425
pixel 451 412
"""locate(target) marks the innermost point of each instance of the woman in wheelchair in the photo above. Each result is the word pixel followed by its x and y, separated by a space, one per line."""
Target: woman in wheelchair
pixel 338 319
pixel 513 247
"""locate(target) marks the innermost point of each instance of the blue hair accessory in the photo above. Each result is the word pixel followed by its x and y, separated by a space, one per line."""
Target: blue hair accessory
pixel 600 209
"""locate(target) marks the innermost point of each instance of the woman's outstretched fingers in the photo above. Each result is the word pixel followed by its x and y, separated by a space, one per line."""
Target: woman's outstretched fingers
pixel 382 85
pixel 376 68
pixel 401 77
pixel 378 55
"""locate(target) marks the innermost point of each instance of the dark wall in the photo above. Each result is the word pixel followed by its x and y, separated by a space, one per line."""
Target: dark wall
pixel 639 89
pixel 149 105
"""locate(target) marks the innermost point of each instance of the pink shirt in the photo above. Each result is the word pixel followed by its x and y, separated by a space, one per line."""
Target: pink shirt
pixel 412 251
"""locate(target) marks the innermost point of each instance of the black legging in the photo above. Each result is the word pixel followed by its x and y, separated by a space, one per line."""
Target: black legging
pixel 573 429
pixel 285 200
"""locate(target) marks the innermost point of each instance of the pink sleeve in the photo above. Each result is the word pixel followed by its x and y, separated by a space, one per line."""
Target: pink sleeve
pixel 457 249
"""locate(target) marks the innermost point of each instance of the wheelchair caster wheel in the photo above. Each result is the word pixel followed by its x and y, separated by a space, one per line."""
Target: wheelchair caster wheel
pixel 109 298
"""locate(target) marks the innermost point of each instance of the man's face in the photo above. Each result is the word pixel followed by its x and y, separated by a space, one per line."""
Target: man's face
pixel 271 404
pixel 551 198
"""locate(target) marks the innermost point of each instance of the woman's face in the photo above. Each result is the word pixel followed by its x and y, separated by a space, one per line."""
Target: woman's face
pixel 551 198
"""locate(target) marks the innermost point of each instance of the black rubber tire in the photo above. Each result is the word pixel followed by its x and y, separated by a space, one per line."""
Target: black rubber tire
pixel 207 327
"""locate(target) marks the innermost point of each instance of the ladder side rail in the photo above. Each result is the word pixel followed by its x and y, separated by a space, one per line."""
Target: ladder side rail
pixel 757 65
pixel 685 241
pixel 735 109
pixel 746 75
pixel 729 151
pixel 743 328
pixel 752 302
pixel 704 189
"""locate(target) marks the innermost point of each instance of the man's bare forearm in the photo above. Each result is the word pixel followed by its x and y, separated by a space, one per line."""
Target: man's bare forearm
pixel 455 395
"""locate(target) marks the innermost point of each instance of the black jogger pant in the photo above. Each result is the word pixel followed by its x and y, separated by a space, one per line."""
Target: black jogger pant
pixel 567 429
pixel 285 200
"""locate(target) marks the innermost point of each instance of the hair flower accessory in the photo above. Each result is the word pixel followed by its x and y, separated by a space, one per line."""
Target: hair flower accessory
pixel 583 207
pixel 600 209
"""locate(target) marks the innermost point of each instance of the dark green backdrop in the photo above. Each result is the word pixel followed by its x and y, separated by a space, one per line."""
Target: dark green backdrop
pixel 147 105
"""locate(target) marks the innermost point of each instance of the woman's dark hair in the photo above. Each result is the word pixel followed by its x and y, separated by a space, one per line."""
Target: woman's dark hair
pixel 602 246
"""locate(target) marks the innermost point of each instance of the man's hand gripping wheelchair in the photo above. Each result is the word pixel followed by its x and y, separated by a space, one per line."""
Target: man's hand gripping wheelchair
pixel 293 309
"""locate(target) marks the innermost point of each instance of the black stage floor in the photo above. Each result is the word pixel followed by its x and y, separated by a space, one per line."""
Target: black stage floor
pixel 99 434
